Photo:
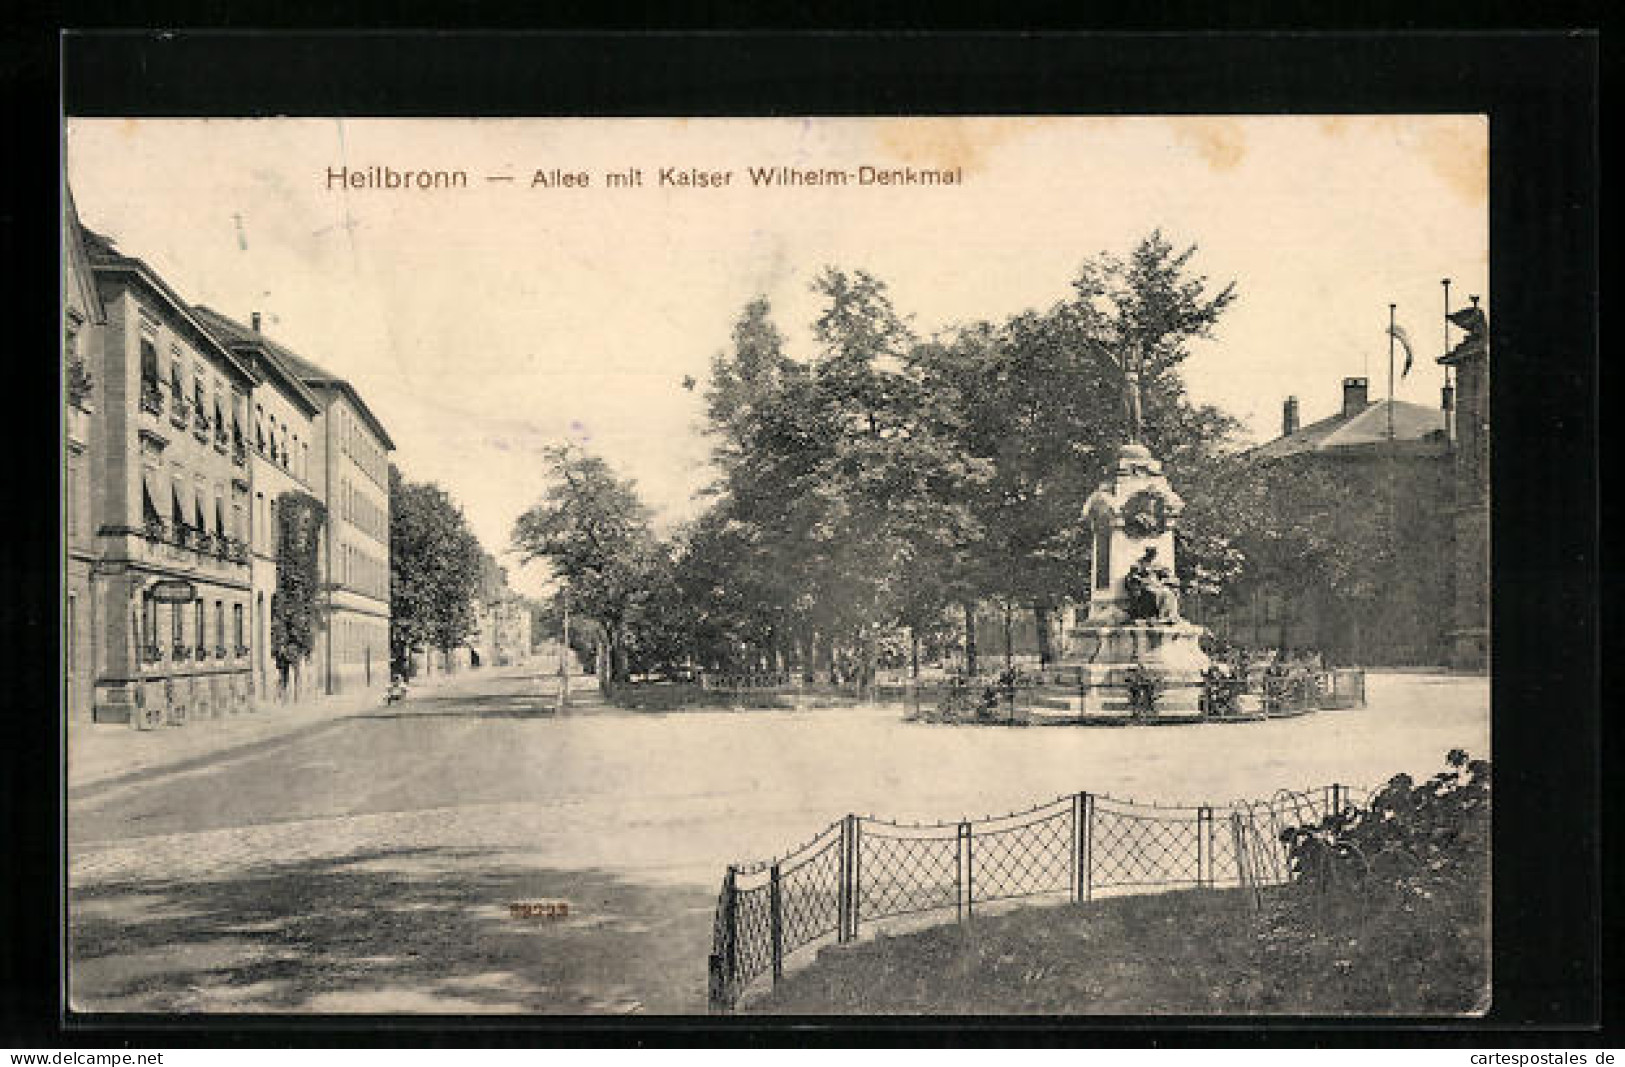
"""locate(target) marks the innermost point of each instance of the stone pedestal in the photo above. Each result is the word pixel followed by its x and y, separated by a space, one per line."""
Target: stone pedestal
pixel 1174 651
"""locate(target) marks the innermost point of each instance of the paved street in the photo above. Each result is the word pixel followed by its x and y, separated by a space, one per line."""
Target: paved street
pixel 366 862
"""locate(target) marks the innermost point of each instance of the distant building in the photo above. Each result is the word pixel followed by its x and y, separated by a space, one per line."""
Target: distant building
pixel 1387 458
pixel 503 637
pixel 502 621
pixel 346 466
pixel 170 479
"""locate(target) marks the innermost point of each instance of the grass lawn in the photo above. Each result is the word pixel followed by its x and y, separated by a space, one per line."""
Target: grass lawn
pixel 1197 952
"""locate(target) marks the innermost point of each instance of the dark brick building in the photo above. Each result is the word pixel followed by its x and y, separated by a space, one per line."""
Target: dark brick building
pixel 1384 469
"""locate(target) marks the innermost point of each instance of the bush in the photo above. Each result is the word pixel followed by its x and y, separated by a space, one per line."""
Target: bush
pixel 1390 902
pixel 1411 837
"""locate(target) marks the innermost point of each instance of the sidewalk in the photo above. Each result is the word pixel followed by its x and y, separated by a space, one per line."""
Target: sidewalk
pixel 101 753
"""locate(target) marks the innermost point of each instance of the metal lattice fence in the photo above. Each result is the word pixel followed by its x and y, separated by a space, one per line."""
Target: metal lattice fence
pixel 1015 694
pixel 863 870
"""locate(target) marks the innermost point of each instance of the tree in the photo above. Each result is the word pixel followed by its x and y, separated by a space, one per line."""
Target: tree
pixel 1040 398
pixel 435 564
pixel 1139 316
pixel 890 478
pixel 1358 541
pixel 593 530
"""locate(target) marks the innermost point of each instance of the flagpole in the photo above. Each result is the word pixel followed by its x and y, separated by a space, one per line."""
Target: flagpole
pixel 1391 371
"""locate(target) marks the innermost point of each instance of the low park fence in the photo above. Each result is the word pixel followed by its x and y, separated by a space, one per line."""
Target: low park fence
pixel 1013 695
pixel 864 871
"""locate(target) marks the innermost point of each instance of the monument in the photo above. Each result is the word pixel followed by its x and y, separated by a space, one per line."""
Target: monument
pixel 1133 617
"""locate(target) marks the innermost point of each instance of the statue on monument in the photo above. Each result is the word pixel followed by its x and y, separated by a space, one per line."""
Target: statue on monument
pixel 1131 401
pixel 1153 592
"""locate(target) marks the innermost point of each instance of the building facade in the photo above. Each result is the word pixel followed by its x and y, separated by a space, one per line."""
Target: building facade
pixel 281 428
pixel 354 450
pixel 83 325
pixel 1374 479
pixel 1470 360
pixel 168 466
pixel 340 454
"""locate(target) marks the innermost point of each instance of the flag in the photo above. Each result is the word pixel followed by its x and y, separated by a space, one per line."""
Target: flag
pixel 1470 319
pixel 1397 332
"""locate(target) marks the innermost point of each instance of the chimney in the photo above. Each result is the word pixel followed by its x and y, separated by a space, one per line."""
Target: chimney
pixel 1289 417
pixel 1354 400
pixel 255 319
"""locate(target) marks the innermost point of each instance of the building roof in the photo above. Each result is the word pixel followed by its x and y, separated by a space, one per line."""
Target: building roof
pixel 270 354
pixel 293 365
pixel 1366 429
pixel 74 238
pixel 105 258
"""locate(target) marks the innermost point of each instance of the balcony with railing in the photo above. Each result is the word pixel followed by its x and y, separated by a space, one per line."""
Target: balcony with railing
pixel 175 542
pixel 180 410
pixel 152 397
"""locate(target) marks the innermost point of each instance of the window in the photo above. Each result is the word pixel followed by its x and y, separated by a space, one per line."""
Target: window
pixel 149 362
pixel 219 625
pixel 197 627
pixel 70 491
pixel 149 623
pixel 177 626
pixel 237 624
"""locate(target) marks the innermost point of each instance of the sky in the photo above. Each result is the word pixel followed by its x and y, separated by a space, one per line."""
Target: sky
pixel 486 322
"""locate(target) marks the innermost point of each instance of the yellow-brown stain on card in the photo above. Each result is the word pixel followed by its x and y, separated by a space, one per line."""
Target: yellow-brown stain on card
pixel 1454 147
pixel 1222 143
pixel 945 143
pixel 1460 156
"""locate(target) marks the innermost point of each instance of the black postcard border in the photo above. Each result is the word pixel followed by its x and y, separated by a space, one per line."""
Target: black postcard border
pixel 1540 91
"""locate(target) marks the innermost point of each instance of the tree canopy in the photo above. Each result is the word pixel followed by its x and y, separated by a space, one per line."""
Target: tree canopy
pixel 890 482
pixel 435 568
pixel 593 531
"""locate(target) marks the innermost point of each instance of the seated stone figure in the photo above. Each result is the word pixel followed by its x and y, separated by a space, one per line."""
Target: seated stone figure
pixel 1153 594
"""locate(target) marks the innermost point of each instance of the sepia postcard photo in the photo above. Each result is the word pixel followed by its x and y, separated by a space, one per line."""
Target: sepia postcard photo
pixel 777 566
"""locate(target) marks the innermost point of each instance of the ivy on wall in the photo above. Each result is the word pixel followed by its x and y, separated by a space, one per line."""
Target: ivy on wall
pixel 300 517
